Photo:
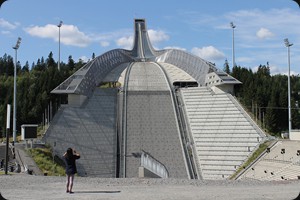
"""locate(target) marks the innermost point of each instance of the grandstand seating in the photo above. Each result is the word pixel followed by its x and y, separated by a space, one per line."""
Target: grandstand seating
pixel 223 136
pixel 91 130
pixel 276 164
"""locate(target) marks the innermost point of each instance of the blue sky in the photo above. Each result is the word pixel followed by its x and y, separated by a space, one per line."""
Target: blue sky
pixel 197 26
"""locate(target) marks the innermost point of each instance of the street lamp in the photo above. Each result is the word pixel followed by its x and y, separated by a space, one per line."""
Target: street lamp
pixel 288 45
pixel 233 56
pixel 59 25
pixel 15 89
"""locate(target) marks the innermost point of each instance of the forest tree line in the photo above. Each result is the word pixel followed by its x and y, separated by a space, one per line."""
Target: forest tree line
pixel 266 97
pixel 34 84
pixel 262 94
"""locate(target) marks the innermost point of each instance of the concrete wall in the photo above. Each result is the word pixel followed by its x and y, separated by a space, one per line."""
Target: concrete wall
pixel 144 173
pixel 227 88
pixel 295 135
pixel 76 100
pixel 91 130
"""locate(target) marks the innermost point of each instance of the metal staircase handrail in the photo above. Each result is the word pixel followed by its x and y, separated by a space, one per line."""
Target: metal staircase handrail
pixel 153 165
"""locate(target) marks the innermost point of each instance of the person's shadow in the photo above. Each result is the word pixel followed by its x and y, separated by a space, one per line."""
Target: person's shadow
pixel 115 191
pixel 1 197
pixel 298 197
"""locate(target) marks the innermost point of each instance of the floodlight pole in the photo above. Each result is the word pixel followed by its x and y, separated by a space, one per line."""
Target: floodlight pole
pixel 233 53
pixel 15 90
pixel 59 25
pixel 288 45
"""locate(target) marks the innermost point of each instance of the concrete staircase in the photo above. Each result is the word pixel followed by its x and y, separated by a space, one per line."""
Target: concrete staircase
pixel 222 134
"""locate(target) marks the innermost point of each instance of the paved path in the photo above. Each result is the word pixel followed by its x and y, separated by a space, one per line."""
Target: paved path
pixel 24 159
pixel 16 187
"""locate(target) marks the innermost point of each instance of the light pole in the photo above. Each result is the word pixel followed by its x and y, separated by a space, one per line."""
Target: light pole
pixel 288 45
pixel 233 56
pixel 15 89
pixel 59 25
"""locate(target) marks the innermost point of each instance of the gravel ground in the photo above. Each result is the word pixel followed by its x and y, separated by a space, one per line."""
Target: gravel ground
pixel 22 187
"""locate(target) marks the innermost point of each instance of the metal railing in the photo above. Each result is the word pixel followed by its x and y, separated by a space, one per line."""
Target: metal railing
pixel 153 165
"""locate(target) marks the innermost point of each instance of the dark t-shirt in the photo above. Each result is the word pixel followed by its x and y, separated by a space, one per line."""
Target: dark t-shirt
pixel 71 165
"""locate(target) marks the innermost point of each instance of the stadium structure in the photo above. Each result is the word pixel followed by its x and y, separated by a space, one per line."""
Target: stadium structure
pixel 166 113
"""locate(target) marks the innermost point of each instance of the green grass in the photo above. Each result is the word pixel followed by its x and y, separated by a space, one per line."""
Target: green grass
pixel 44 160
pixel 8 173
pixel 109 85
pixel 255 155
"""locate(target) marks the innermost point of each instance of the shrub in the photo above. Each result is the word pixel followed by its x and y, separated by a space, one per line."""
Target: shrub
pixel 45 161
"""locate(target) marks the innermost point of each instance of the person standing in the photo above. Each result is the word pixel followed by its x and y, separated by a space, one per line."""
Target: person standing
pixel 70 159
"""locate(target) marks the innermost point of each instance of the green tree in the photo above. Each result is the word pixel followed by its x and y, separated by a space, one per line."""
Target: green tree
pixel 272 112
pixel 50 62
pixel 25 68
pixel 71 63
pixel 226 67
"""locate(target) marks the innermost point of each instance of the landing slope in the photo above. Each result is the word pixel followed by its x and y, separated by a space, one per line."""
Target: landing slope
pixel 151 121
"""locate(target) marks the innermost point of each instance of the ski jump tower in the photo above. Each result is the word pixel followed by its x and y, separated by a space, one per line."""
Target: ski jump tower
pixel 167 114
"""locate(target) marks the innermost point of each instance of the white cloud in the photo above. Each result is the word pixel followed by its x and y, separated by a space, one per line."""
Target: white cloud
pixel 125 42
pixel 277 20
pixel 70 34
pixel 259 35
pixel 84 59
pixel 7 25
pixel 104 43
pixel 5 32
pixel 264 33
pixel 241 59
pixel 209 53
pixel 116 37
pixel 275 70
pixel 155 37
pixel 174 47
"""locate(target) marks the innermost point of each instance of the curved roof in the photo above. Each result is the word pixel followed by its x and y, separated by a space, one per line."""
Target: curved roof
pixel 94 72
